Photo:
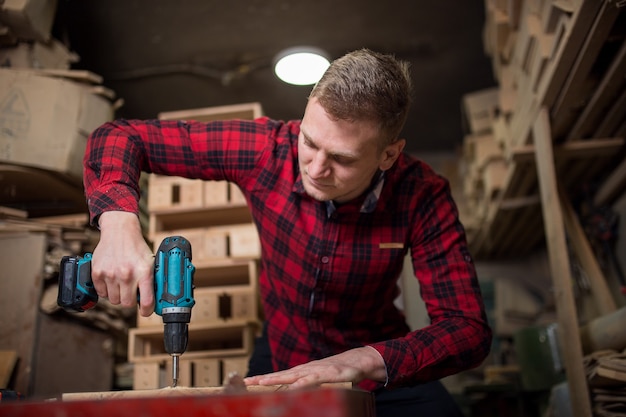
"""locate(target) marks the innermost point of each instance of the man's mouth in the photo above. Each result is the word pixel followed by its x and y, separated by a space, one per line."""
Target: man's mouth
pixel 318 184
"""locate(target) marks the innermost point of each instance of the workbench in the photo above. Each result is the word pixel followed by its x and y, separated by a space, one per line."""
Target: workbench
pixel 327 402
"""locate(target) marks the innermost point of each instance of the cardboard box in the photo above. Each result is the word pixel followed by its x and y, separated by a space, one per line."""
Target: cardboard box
pixel 29 19
pixel 45 121
pixel 37 55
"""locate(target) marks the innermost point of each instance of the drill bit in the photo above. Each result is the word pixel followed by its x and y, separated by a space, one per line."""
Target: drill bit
pixel 174 370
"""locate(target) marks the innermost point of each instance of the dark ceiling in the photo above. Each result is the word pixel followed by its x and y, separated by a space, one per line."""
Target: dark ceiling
pixel 172 55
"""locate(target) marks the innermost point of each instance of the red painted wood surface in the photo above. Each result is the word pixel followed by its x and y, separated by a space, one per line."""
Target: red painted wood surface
pixel 297 403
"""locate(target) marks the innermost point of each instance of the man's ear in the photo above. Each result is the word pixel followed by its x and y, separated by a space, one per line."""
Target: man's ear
pixel 391 154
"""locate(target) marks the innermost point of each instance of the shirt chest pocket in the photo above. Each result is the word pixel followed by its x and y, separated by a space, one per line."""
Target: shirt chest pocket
pixel 369 260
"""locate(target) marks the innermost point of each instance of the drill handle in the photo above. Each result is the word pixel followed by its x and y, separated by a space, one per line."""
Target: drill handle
pixel 76 290
pixel 173 276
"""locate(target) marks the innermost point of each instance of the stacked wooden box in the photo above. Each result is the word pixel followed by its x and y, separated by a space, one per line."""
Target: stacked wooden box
pixel 483 157
pixel 567 57
pixel 215 218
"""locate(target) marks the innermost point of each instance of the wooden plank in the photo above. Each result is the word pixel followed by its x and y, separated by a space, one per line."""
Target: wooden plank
pixel 612 187
pixel 571 150
pixel 520 202
pixel 606 92
pixel 76 75
pixel 560 268
pixel 599 288
pixel 612 118
pixel 10 212
pixel 8 360
pixel 575 88
pixel 181 391
pixel 569 42
pixel 40 192
pixel 568 51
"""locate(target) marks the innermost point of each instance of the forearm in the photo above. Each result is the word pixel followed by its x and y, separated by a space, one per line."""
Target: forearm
pixel 436 351
pixel 112 166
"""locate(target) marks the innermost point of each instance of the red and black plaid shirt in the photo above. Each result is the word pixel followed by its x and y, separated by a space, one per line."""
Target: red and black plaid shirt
pixel 329 274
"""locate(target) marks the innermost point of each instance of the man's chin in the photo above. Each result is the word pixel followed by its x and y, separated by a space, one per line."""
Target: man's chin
pixel 316 194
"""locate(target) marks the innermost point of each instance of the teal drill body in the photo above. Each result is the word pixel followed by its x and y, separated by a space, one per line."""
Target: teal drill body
pixel 173 291
pixel 173 280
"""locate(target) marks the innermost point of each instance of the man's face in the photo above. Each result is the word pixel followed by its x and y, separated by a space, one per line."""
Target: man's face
pixel 339 158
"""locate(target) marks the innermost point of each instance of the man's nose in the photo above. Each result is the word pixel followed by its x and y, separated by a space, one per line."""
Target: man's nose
pixel 319 165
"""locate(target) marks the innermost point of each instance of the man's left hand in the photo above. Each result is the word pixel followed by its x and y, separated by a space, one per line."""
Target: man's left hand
pixel 353 366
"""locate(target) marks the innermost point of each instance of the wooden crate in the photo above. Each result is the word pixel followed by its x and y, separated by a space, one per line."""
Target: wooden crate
pixel 238 279
pixel 235 195
pixel 237 365
pixel 221 305
pixel 146 375
pixel 216 193
pixel 218 243
pixel 244 241
pixel 206 373
pixel 246 111
pixel 480 150
pixel 166 192
pixel 145 344
pixel 215 305
pixel 480 108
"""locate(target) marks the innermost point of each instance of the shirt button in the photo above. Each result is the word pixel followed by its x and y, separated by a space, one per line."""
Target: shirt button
pixel 325 259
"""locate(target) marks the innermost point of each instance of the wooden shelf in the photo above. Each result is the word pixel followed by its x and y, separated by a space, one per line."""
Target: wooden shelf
pixel 186 218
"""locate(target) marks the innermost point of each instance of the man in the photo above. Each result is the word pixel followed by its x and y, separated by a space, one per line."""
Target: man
pixel 338 205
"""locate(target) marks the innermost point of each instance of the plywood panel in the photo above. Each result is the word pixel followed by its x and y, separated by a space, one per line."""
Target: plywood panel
pixel 22 260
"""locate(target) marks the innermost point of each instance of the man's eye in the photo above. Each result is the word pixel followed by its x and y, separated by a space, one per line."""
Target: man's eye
pixel 342 160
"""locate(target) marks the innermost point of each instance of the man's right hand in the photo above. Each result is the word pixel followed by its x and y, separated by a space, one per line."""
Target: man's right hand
pixel 123 262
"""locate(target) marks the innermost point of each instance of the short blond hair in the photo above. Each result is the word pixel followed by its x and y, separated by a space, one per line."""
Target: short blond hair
pixel 367 85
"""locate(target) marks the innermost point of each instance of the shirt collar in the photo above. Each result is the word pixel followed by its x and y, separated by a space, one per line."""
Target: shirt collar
pixel 369 203
pixel 371 198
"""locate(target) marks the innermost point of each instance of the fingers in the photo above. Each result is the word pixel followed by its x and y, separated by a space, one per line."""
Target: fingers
pixel 146 295
pixel 117 276
pixel 307 375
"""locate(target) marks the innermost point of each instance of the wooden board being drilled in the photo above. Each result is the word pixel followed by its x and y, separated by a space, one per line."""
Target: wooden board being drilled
pixel 177 392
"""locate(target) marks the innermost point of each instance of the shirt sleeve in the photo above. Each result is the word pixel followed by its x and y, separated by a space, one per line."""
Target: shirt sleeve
pixel 458 337
pixel 119 151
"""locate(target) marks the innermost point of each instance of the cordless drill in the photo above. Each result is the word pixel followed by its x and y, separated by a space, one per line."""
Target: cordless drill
pixel 173 290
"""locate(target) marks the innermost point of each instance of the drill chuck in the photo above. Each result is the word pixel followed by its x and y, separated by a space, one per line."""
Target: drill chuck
pixel 176 330
pixel 175 337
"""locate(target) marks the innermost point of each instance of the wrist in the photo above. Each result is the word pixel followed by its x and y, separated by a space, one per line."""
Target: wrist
pixel 116 220
pixel 377 366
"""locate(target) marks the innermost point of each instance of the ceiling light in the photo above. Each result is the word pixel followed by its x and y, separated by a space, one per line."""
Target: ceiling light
pixel 301 65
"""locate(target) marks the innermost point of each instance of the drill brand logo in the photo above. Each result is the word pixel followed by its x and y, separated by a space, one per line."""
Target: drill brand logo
pixel 14 115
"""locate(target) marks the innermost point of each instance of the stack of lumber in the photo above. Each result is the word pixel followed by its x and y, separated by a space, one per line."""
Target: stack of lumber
pixel 569 58
pixel 66 235
pixel 606 372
